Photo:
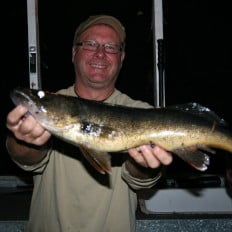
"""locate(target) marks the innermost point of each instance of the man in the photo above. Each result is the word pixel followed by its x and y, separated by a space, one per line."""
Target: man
pixel 69 195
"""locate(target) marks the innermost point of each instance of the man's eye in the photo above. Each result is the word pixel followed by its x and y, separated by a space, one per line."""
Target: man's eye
pixel 110 47
pixel 91 44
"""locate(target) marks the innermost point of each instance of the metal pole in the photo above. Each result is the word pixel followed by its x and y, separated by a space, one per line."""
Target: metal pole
pixel 159 77
pixel 33 44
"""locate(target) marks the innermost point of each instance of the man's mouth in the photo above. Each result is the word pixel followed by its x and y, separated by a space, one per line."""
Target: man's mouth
pixel 99 66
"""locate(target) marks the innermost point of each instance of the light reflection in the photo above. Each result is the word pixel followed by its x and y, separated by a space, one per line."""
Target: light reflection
pixel 168 133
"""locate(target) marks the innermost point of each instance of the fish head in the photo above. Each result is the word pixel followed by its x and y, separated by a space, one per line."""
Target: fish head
pixel 42 105
pixel 29 98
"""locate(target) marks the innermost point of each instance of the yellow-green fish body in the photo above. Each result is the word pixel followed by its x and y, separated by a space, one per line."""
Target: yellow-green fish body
pixel 99 128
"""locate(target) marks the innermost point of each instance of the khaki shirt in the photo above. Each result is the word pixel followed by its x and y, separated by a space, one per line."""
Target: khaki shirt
pixel 70 196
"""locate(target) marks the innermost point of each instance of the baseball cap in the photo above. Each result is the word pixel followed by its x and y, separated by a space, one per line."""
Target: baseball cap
pixel 101 19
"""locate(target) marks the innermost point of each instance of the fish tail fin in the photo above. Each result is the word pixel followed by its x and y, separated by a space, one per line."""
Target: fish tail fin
pixel 195 157
pixel 99 160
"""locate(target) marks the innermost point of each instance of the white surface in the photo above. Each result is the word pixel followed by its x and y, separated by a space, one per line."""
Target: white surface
pixel 208 200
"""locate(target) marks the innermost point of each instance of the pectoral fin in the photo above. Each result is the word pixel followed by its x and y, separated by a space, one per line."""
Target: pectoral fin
pixel 99 160
pixel 193 156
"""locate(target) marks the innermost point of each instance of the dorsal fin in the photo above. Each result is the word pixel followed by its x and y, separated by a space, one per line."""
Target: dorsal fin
pixel 197 109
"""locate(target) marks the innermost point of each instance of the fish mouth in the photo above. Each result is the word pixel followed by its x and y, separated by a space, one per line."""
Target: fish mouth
pixel 26 98
pixel 19 96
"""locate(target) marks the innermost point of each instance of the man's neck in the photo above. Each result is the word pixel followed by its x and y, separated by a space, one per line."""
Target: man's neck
pixel 93 94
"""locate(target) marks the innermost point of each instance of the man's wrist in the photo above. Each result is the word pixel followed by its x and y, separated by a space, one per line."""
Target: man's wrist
pixel 139 171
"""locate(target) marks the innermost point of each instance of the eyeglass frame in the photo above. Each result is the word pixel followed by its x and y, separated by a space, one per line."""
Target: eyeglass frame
pixel 120 48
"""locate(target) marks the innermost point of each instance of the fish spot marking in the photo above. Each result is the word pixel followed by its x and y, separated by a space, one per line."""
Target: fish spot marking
pixel 98 130
pixel 91 129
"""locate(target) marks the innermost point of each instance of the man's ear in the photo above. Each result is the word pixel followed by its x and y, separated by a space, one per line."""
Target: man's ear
pixel 74 52
pixel 122 56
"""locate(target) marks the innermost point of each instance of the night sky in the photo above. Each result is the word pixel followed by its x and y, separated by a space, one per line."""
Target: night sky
pixel 197 52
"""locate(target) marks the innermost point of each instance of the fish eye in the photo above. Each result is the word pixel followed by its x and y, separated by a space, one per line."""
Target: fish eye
pixel 41 94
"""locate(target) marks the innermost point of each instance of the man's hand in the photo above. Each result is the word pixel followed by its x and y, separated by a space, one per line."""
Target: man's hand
pixel 150 156
pixel 26 128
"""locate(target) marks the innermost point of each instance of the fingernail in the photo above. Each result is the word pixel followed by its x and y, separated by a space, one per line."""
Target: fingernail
pixel 26 115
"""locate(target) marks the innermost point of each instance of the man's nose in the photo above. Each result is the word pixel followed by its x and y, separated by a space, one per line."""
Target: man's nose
pixel 100 52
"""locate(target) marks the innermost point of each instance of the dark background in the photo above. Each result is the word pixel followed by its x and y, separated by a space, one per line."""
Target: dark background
pixel 197 55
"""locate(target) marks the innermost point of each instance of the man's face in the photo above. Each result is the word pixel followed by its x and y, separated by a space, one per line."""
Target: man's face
pixel 98 68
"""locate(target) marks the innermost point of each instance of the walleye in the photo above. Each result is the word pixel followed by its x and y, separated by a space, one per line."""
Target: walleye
pixel 98 128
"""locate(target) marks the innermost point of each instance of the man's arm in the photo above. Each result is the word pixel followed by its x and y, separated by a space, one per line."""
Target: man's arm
pixel 29 141
pixel 145 166
pixel 24 153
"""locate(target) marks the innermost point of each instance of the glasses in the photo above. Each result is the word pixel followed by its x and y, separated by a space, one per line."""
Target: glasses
pixel 91 45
